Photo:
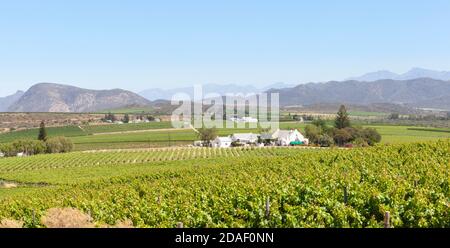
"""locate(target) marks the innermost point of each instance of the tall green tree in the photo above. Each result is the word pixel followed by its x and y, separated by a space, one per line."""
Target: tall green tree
pixel 42 132
pixel 207 135
pixel 342 119
pixel 126 118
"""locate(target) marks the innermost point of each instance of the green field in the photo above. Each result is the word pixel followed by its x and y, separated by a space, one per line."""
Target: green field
pixel 94 129
pixel 229 187
pixel 68 131
pixel 404 134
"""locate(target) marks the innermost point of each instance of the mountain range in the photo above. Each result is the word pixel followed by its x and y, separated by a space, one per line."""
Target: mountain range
pixel 420 93
pixel 425 89
pixel 7 101
pixel 414 73
pixel 48 97
pixel 167 94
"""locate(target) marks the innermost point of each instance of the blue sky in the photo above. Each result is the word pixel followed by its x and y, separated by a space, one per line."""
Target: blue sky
pixel 145 44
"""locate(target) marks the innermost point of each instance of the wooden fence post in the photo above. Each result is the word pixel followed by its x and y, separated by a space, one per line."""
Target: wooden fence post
pixel 90 216
pixel 268 207
pixel 34 217
pixel 387 220
pixel 345 195
pixel 180 225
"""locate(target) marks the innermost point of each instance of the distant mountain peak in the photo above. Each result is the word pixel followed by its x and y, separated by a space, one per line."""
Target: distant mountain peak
pixel 375 76
pixel 51 97
pixel 419 92
pixel 413 73
pixel 7 101
pixel 167 94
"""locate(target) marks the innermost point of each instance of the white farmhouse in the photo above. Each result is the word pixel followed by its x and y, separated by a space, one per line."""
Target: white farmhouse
pixel 245 138
pixel 286 137
pixel 222 142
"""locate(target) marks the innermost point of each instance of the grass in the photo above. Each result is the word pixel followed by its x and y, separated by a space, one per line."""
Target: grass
pixel 404 134
pixel 152 136
pixel 76 131
pixel 67 131
pixel 94 129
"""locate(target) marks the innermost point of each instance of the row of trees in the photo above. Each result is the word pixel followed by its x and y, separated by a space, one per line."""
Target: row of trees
pixel 42 145
pixel 342 134
pixel 126 119
pixel 418 117
pixel 35 147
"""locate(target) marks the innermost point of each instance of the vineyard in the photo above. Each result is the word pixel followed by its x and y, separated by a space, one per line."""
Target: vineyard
pixel 85 159
pixel 278 187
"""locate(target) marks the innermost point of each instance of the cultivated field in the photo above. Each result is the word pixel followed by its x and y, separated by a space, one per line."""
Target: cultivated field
pixel 266 187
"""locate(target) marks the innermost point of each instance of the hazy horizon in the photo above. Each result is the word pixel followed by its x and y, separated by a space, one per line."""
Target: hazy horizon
pixel 144 44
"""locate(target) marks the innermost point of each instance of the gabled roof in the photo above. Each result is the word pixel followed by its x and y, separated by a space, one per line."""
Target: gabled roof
pixel 284 134
pixel 279 134
pixel 224 139
pixel 245 136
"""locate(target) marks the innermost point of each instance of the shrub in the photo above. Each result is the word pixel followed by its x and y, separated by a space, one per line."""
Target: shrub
pixel 357 136
pixel 207 135
pixel 59 145
pixel 360 142
pixel 371 136
pixel 320 124
pixel 28 147
pixel 8 150
pixel 325 141
pixel 313 133
pixel 342 136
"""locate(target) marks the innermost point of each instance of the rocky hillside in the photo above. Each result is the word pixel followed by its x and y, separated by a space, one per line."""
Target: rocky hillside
pixel 423 93
pixel 47 97
pixel 7 101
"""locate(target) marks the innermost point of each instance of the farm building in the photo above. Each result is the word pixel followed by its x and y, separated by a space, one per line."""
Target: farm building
pixel 222 142
pixel 245 138
pixel 286 137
